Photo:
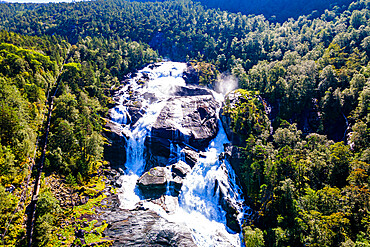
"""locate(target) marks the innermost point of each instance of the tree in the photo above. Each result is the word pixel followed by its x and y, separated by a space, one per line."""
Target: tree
pixel 47 210
pixel 357 19
pixel 287 136
pixel 253 237
pixel 340 156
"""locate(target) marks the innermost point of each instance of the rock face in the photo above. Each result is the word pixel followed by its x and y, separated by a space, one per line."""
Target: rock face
pixel 141 227
pixel 146 228
pixel 189 120
pixel 191 91
pixel 228 205
pixel 190 75
pixel 191 156
pixel 115 151
pixel 135 110
pixel 168 203
pixel 244 104
pixel 233 155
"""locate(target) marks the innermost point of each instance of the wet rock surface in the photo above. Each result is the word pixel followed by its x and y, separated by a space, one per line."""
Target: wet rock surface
pixel 191 156
pixel 168 203
pixel 191 91
pixel 146 228
pixel 191 75
pixel 233 154
pixel 228 205
pixel 135 110
pixel 114 150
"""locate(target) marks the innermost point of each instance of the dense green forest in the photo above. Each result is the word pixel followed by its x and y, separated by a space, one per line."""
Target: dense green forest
pixel 274 10
pixel 307 181
pixel 277 10
pixel 28 68
pixel 29 74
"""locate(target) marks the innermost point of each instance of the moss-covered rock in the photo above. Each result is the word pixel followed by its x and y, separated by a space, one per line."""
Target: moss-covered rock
pixel 244 114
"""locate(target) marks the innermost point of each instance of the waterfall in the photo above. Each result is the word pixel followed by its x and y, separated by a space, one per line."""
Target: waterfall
pixel 347 128
pixel 199 199
pixel 199 202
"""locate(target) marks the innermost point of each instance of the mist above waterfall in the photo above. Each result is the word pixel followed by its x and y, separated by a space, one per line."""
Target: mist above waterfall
pixel 226 83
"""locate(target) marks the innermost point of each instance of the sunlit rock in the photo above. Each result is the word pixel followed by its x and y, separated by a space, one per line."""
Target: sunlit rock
pixel 191 120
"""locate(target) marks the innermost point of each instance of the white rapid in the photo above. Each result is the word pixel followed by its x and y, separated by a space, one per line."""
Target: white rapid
pixel 199 206
pixel 199 203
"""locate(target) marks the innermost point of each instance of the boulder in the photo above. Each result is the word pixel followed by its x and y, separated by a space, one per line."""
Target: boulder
pixel 141 226
pixel 150 97
pixel 180 169
pixel 227 204
pixel 154 182
pixel 129 111
pixel 191 91
pixel 175 185
pixel 191 156
pixel 114 150
pixel 231 213
pixel 135 111
pixel 179 172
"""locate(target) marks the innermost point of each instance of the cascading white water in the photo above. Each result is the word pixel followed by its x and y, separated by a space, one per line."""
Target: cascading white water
pixel 199 203
pixel 163 81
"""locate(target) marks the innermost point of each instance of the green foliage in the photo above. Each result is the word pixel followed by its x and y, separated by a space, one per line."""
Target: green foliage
pixel 27 68
pixel 206 74
pixel 287 136
pixel 253 237
pixel 311 190
pixel 75 140
pixel 71 180
pixel 247 114
pixel 8 203
pixel 47 211
pixel 79 179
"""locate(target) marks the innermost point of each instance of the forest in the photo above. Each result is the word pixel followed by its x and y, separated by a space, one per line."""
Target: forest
pixel 305 165
pixel 274 10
